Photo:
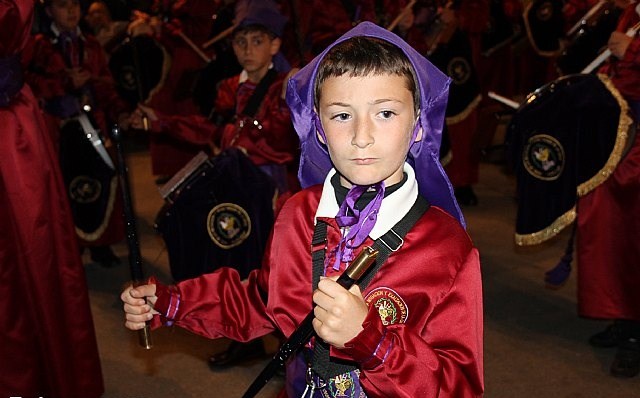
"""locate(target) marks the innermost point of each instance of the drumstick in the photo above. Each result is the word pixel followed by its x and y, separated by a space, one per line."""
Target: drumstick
pixel 135 258
pixel 506 101
pixel 220 36
pixel 586 17
pixel 194 47
pixel 402 14
pixel 603 56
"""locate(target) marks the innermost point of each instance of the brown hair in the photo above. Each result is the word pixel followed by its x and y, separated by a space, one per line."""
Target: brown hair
pixel 362 56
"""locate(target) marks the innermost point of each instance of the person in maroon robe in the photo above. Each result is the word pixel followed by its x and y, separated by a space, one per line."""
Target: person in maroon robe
pixel 48 345
pixel 68 71
pixel 608 228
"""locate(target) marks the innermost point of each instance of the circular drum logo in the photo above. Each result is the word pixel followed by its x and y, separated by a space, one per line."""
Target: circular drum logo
pixel 229 225
pixel 459 70
pixel 84 189
pixel 545 11
pixel 543 157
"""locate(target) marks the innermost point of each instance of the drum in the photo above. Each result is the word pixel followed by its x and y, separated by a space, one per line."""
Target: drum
pixel 454 59
pixel 220 215
pixel 91 182
pixel 139 66
pixel 565 140
pixel 544 23
pixel 588 40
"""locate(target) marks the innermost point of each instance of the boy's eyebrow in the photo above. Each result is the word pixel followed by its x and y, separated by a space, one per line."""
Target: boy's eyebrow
pixel 376 102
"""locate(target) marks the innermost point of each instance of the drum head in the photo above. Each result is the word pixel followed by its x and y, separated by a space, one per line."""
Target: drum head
pixel 565 140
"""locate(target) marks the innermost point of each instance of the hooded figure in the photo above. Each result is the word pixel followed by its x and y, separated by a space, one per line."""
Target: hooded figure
pixel 423 155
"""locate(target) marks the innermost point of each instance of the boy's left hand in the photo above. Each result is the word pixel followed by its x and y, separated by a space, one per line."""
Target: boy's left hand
pixel 338 313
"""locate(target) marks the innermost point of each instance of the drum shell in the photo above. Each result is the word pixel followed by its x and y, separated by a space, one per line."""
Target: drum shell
pixel 588 41
pixel 544 22
pixel 90 183
pixel 580 126
pixel 187 222
pixel 139 66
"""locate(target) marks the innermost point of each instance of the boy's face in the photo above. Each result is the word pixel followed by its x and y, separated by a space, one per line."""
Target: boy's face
pixel 65 14
pixel 368 122
pixel 255 50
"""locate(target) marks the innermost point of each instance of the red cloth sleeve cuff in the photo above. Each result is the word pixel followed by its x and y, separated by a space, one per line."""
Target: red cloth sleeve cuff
pixel 372 345
pixel 167 304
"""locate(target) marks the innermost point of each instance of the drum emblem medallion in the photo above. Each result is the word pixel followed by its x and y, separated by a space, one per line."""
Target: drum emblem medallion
pixel 459 70
pixel 229 225
pixel 543 157
pixel 84 189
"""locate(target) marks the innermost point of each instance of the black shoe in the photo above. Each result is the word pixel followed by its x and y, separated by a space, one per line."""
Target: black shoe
pixel 104 256
pixel 613 335
pixel 238 353
pixel 627 360
pixel 465 196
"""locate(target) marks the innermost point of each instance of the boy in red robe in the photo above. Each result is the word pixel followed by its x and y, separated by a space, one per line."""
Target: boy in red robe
pixel 369 111
pixel 69 74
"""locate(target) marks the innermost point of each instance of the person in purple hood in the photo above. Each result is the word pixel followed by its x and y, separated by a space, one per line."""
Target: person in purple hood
pixel 369 112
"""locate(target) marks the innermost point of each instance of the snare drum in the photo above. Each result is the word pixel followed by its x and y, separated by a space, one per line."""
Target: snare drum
pixel 565 140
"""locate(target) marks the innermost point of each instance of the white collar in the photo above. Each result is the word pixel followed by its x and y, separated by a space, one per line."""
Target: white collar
pixel 393 208
pixel 244 76
pixel 56 31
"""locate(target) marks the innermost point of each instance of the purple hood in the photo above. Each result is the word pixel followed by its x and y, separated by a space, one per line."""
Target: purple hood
pixel 423 155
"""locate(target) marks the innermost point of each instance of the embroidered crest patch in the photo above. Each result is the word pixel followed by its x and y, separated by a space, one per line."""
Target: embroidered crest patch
pixel 391 307
pixel 459 70
pixel 229 225
pixel 543 157
pixel 84 189
pixel 344 385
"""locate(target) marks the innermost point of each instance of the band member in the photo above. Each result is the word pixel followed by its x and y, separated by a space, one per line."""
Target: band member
pixel 609 222
pixel 264 133
pixel 48 344
pixel 369 112
pixel 107 31
pixel 69 74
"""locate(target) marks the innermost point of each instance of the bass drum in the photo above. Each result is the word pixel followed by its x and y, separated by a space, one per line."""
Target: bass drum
pixel 543 21
pixel 565 140
pixel 90 182
pixel 219 216
pixel 589 40
pixel 139 66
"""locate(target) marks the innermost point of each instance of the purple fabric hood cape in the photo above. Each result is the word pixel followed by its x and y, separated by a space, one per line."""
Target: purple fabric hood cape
pixel 423 155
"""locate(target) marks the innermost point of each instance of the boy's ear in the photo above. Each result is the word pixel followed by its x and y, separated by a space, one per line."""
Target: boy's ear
pixel 275 45
pixel 320 137
pixel 419 135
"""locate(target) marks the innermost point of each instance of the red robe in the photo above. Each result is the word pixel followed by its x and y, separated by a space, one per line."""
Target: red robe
pixel 609 217
pixel 48 78
pixel 433 344
pixel 48 346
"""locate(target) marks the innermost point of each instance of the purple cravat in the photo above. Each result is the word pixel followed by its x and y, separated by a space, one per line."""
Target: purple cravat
pixel 360 222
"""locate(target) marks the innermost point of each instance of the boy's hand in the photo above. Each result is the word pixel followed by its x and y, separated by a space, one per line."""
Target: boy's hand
pixel 136 121
pixel 338 313
pixel 136 310
pixel 79 77
pixel 618 44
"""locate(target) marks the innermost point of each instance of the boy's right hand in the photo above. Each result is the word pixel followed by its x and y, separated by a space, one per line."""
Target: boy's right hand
pixel 136 121
pixel 137 310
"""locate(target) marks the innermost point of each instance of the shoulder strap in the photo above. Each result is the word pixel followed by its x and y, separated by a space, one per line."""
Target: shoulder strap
pixel 388 243
pixel 259 93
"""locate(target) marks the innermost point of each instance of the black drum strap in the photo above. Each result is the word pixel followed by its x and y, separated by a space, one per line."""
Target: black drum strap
pixel 388 243
pixel 259 93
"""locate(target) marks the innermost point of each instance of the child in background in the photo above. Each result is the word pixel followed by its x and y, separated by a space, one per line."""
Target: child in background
pixel 369 111
pixel 68 73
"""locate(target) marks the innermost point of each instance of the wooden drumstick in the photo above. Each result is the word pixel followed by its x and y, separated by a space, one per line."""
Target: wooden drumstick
pixel 402 14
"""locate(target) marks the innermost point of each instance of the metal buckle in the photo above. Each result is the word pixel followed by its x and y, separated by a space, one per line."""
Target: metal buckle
pixel 400 243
